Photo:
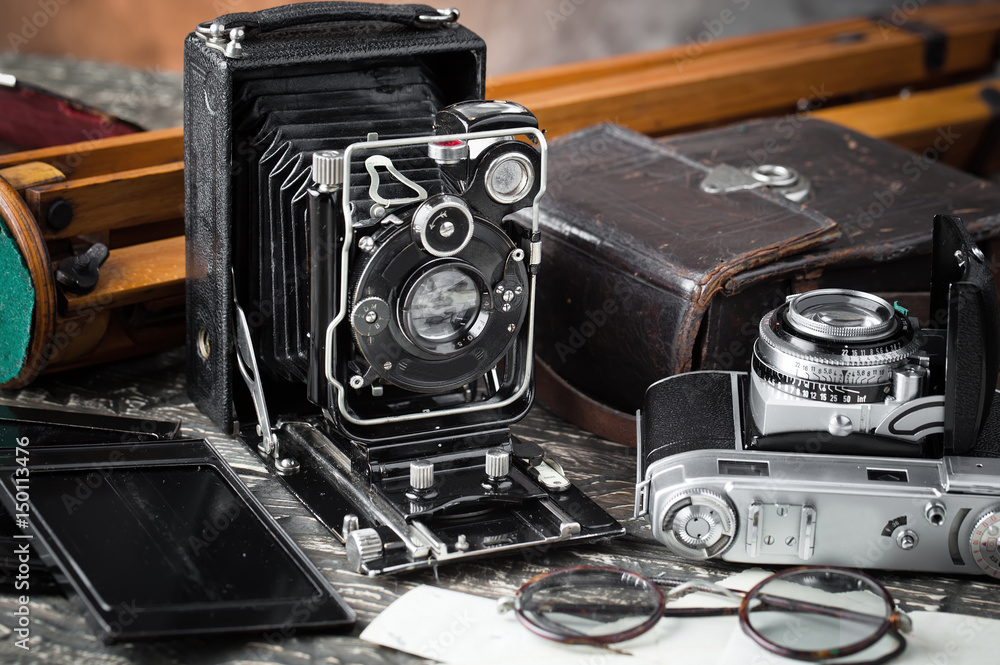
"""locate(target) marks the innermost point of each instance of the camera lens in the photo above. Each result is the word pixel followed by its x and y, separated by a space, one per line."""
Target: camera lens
pixel 834 345
pixel 441 305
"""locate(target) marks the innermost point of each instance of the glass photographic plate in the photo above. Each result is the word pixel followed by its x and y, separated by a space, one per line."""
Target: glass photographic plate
pixel 165 540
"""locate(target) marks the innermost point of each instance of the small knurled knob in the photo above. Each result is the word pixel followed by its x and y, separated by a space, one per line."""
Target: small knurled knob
pixel 421 475
pixel 497 463
pixel 363 545
pixel 327 169
pixel 448 152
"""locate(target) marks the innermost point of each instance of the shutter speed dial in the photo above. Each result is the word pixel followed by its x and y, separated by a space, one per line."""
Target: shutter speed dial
pixel 699 523
pixel 984 541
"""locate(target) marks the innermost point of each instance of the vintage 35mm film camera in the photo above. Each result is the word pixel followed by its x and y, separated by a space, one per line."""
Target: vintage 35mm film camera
pixel 352 253
pixel 857 438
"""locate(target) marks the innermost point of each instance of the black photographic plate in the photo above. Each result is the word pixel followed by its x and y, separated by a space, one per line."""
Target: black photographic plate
pixel 48 427
pixel 51 427
pixel 164 540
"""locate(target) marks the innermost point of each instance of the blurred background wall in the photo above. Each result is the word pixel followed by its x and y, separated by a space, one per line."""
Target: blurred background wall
pixel 520 34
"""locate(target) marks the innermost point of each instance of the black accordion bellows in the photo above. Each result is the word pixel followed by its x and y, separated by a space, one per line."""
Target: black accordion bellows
pixel 283 122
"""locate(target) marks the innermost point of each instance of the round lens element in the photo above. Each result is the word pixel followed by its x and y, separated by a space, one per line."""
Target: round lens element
pixel 441 305
pixel 806 613
pixel 841 314
pixel 590 605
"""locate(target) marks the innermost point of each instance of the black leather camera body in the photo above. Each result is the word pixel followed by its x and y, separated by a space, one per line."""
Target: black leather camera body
pixel 859 438
pixel 353 260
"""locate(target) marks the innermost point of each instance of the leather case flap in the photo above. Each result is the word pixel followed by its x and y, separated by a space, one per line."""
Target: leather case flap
pixel 882 196
pixel 635 203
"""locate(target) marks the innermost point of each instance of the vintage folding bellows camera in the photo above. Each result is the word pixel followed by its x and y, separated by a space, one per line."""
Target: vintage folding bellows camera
pixel 351 252
pixel 858 438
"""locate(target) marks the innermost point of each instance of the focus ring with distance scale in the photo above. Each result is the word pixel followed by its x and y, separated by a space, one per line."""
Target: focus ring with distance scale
pixel 861 362
pixel 843 392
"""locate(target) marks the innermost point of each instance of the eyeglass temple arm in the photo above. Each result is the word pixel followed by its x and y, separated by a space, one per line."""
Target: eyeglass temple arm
pixel 778 602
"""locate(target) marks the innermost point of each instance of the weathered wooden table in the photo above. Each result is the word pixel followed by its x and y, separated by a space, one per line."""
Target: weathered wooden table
pixel 153 387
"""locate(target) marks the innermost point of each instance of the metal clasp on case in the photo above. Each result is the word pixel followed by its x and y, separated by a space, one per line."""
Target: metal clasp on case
pixel 787 181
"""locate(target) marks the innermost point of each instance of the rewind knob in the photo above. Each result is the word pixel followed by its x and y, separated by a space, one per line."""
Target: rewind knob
pixel 698 524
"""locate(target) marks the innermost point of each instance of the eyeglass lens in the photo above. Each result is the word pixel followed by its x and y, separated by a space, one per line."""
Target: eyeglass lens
pixel 818 610
pixel 591 603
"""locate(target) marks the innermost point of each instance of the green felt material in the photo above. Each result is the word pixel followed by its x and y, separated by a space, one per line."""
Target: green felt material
pixel 17 301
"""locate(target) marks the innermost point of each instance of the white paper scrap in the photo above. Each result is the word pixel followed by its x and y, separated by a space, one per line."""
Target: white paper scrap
pixel 455 627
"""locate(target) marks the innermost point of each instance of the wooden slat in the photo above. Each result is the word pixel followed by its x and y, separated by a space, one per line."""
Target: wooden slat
pixel 672 91
pixel 31 174
pixel 121 341
pixel 946 124
pixel 102 156
pixel 132 275
pixel 115 201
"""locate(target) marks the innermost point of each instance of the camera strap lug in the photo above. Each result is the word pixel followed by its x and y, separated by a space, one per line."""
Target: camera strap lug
pixel 444 17
pixel 247 362
pixel 641 497
pixel 228 40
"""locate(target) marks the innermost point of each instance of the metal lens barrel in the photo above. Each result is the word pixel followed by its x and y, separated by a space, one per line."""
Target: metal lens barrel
pixel 835 345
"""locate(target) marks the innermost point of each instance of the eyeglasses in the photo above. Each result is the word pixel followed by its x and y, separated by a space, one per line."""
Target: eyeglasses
pixel 810 613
